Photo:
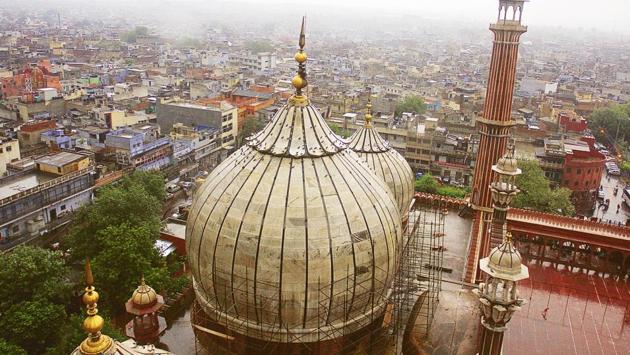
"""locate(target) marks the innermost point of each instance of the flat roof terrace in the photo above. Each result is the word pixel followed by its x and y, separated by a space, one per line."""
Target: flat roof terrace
pixel 23 183
pixel 60 159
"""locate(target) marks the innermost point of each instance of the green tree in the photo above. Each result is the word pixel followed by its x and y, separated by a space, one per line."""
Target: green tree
pixel 33 325
pixel 625 168
pixel 11 349
pixel 188 42
pixel 537 194
pixel 152 182
pixel 32 272
pixel 452 191
pixel 142 30
pixel 129 37
pixel 251 126
pixel 133 248
pixel 118 232
pixel 132 36
pixel 427 184
pixel 339 131
pixel 411 104
pixel 611 122
pixel 33 296
pixel 73 334
pixel 136 202
pixel 259 46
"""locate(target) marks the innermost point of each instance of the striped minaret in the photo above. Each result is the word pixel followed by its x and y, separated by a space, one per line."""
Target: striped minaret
pixel 494 126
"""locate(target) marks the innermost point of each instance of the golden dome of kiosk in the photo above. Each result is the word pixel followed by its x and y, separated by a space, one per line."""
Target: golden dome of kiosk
pixel 388 164
pixel 293 235
pixel 144 296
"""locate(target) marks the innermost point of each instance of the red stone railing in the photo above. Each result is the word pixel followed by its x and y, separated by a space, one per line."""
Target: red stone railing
pixel 108 178
pixel 111 177
pixel 569 223
pixel 537 218
pixel 443 201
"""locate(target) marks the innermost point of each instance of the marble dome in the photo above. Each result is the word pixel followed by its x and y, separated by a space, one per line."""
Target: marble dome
pixel 388 164
pixel 505 262
pixel 293 235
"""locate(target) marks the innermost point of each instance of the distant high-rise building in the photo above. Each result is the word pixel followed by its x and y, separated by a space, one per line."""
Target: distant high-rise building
pixel 494 125
pixel 254 61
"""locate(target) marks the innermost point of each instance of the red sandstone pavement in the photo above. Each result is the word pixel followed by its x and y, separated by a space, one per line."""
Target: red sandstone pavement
pixel 585 314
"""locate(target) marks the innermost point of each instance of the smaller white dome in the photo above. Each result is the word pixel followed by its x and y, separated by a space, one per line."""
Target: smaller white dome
pixel 505 262
pixel 388 164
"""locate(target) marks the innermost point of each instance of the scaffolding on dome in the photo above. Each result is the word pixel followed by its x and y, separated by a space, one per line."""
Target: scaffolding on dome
pixel 410 303
pixel 419 279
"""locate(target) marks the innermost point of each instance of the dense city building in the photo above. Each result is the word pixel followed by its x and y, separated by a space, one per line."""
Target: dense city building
pixel 426 186
pixel 42 194
pixel 576 165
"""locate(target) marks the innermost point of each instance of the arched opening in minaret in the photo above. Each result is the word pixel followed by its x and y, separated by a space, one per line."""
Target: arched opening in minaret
pixel 508 9
pixel 502 12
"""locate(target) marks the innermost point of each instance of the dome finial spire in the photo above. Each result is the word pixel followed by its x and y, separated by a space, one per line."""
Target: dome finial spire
pixel 302 41
pixel 299 80
pixel 96 343
pixel 508 237
pixel 368 111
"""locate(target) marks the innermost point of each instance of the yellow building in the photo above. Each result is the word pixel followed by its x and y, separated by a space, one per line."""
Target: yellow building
pixel 62 163
pixel 9 151
pixel 118 119
pixel 57 47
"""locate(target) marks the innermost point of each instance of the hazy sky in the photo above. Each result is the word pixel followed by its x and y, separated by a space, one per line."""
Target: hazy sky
pixel 604 15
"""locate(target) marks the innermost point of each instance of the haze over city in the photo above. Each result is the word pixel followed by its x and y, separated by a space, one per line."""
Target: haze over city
pixel 602 16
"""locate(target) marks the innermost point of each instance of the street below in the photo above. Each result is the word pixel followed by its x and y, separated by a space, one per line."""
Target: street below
pixel 612 214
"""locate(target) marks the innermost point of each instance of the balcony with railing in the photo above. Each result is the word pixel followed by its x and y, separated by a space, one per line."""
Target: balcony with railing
pixel 451 152
pixel 550 165
pixel 46 185
pixel 147 146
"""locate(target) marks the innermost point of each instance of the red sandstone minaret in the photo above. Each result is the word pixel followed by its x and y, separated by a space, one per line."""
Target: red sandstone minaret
pixel 494 126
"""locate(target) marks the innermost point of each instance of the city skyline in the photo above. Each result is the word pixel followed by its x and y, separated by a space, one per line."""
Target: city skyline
pixel 606 16
pixel 276 177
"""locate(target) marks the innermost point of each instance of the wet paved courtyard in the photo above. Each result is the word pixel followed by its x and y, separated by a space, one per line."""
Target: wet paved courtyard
pixel 570 313
pixel 179 338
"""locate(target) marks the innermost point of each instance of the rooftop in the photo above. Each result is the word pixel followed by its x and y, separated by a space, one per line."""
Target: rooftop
pixel 195 106
pixel 572 145
pixel 38 125
pixel 60 159
pixel 176 229
pixel 23 183
pixel 94 129
pixel 251 93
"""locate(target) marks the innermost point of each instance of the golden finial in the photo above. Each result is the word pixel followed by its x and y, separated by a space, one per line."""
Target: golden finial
pixel 368 112
pixel 302 41
pixel 96 343
pixel 299 80
pixel 508 237
pixel 89 279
